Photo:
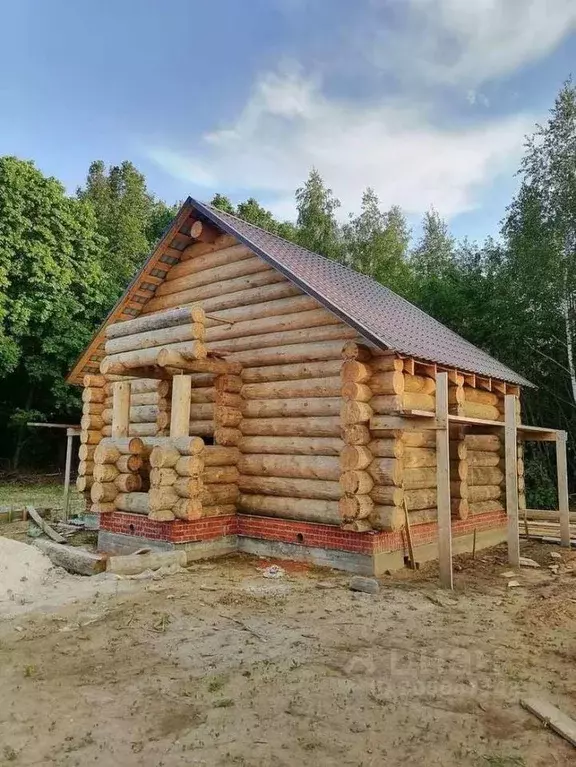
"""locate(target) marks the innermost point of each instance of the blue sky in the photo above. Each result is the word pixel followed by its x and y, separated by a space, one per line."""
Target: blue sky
pixel 427 101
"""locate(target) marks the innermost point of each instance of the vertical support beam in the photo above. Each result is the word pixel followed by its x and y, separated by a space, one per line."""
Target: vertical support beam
pixel 66 500
pixel 180 416
pixel 443 482
pixel 120 408
pixel 562 474
pixel 511 454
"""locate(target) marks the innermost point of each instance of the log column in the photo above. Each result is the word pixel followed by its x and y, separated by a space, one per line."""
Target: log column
pixel 93 399
pixel 228 405
pixel 356 505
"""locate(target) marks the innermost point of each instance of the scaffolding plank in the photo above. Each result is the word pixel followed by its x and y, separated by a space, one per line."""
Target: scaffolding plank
pixel 443 482
pixel 511 453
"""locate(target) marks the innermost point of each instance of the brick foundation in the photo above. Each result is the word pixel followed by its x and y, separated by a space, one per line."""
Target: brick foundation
pixel 305 534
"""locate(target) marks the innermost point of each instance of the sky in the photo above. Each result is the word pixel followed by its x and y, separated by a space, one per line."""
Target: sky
pixel 426 101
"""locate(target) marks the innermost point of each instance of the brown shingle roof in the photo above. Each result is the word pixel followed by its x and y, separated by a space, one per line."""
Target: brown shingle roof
pixel 376 312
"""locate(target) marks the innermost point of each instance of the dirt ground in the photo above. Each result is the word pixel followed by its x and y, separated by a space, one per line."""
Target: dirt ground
pixel 221 666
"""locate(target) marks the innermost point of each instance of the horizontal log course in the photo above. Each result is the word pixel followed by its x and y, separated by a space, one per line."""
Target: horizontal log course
pixel 458 450
pixel 216 495
pixel 388 495
pixel 485 442
pixel 91 422
pixel 289 354
pixel 275 324
pixel 486 507
pixel 128 483
pixel 328 426
pixel 386 363
pixel 386 403
pixel 109 450
pixel 459 489
pixel 128 464
pixel 226 436
pixel 242 299
pixel 105 472
pixel 387 518
pixel 294 372
pixel 103 508
pixel 416 384
pixel 459 470
pixel 84 483
pixel 273 408
pixel 290 487
pixel 485 475
pixel 355 507
pixel 387 383
pixel 241 313
pixel 331 446
pixel 352 371
pixel 159 321
pixel 455 396
pixel 356 434
pixel 196 279
pixel 355 457
pixel 137 429
pixel 190 445
pixel 419 439
pixel 148 386
pixel 188 487
pixel 145 398
pixel 417 500
pixel 419 479
pixel 161 515
pixel 265 276
pixel 189 509
pixel 202 428
pixel 96 395
pixel 300 388
pixel 103 492
pixel 162 498
pixel 475 410
pixel 459 508
pixel 230 383
pixel 356 392
pixel 301 509
pixel 85 467
pixel 206 261
pixel 418 401
pixel 483 458
pixel 356 482
pixel 93 408
pixel 187 466
pixel 386 471
pixel 93 380
pixel 220 475
pixel 151 356
pixel 303 466
pixel 166 477
pixel 481 397
pixel 216 455
pixel 419 457
pixel 484 493
pixel 228 399
pixel 91 437
pixel 154 338
pixel 355 412
pixel 286 337
pixel 201 411
pixel 139 414
pixel 227 416
pixel 134 503
pixel 86 452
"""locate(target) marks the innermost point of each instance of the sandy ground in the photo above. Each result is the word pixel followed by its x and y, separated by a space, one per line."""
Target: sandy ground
pixel 220 666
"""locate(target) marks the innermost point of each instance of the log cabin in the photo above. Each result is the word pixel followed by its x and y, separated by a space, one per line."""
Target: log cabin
pixel 248 395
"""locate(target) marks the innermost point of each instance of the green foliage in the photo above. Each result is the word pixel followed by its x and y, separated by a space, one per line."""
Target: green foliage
pixel 318 228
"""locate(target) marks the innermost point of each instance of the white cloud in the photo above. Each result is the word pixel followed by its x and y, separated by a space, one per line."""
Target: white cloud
pixel 468 42
pixel 289 125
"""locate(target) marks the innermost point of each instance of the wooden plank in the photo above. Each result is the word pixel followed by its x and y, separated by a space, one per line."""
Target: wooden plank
pixel 552 717
pixel 180 415
pixel 399 423
pixel 511 459
pixel 44 526
pixel 72 558
pixel 562 476
pixel 474 421
pixel 443 482
pixel 120 408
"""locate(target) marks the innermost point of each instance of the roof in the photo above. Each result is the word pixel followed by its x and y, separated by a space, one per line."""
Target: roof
pixel 379 314
pixel 376 312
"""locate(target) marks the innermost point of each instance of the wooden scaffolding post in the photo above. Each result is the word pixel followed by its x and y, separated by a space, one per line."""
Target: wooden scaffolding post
pixel 511 460
pixel 563 502
pixel 120 408
pixel 443 482
pixel 180 416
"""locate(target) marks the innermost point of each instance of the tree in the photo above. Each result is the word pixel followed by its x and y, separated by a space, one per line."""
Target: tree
pixel 222 202
pixel 317 228
pixel 434 253
pixel 128 216
pixel 549 173
pixel 52 293
pixel 376 243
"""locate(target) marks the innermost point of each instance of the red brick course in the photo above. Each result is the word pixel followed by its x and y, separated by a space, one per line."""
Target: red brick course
pixel 289 531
